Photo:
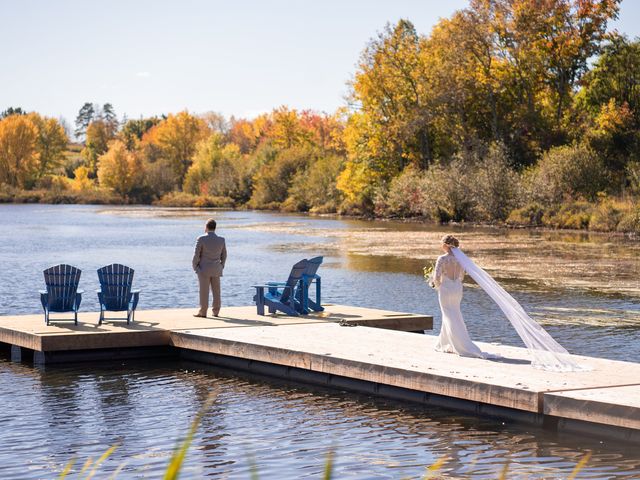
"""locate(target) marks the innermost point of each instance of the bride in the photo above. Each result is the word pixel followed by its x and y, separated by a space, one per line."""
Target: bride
pixel 447 278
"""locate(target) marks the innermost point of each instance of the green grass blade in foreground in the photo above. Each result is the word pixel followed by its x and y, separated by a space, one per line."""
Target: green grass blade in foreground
pixel 580 466
pixel 328 466
pixel 102 458
pixel 431 470
pixel 505 470
pixel 253 468
pixel 67 469
pixel 86 466
pixel 177 459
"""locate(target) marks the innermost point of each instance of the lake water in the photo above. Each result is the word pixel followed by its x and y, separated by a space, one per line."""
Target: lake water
pixel 583 288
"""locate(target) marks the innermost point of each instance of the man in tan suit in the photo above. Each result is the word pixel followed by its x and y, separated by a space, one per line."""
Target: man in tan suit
pixel 208 262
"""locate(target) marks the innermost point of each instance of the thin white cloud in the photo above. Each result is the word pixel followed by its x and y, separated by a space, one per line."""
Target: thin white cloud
pixel 251 114
pixel 143 74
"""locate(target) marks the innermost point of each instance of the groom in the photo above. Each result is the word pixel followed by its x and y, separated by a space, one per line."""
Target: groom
pixel 208 262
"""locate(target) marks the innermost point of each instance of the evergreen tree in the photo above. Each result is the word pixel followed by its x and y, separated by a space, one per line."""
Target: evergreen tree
pixel 12 111
pixel 85 116
pixel 110 118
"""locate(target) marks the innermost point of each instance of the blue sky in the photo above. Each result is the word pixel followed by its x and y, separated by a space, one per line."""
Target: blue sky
pixel 234 57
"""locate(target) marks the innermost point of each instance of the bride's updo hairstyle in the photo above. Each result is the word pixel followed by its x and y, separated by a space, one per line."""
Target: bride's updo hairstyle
pixel 451 241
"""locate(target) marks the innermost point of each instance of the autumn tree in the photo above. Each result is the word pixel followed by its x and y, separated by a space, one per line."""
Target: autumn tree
pixel 615 75
pixel 98 136
pixel 274 178
pixel 613 134
pixel 572 34
pixel 314 188
pixel 324 131
pixel 177 138
pixel 217 169
pixel 390 89
pixel 51 143
pixel 286 129
pixel 120 169
pixel 133 130
pixel 247 134
pixel 393 123
pixel 81 180
pixel 216 122
pixel 18 151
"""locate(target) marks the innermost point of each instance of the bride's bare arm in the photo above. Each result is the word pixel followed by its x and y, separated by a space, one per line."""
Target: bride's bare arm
pixel 437 273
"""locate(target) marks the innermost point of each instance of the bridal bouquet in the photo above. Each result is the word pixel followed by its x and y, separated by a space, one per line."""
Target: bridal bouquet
pixel 427 272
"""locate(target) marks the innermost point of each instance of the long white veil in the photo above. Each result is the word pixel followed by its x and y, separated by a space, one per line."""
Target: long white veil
pixel 547 354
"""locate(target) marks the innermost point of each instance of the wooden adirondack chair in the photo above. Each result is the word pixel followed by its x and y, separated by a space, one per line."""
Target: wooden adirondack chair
pixel 62 294
pixel 302 290
pixel 280 296
pixel 115 293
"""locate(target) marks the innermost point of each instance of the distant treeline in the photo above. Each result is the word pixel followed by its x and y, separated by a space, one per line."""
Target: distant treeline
pixel 515 111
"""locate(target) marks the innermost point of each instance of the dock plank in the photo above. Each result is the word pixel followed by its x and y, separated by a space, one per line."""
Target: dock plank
pixel 151 326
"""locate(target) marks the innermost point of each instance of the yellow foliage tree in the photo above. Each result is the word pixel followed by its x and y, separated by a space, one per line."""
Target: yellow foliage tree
pixel 51 143
pixel 99 134
pixel 120 169
pixel 286 130
pixel 216 168
pixel 178 137
pixel 81 180
pixel 19 154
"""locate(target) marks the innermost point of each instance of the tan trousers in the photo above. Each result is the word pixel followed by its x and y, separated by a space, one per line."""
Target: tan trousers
pixel 206 282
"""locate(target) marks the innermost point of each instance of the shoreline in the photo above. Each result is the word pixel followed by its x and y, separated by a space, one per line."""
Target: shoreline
pixel 634 236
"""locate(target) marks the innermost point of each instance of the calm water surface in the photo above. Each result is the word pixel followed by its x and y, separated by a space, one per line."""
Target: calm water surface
pixel 583 288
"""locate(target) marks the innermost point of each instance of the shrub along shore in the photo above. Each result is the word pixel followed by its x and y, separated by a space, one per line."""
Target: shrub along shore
pixel 606 216
pixel 501 114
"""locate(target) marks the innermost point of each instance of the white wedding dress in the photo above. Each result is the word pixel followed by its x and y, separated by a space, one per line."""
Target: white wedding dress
pixel 454 338
pixel 545 352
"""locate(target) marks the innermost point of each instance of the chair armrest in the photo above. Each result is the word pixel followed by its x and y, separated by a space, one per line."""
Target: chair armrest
pixel 98 290
pixel 79 291
pixel 134 299
pixel 271 286
pixel 42 292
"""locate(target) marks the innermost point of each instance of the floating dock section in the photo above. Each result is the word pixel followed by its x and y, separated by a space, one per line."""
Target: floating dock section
pixel 360 349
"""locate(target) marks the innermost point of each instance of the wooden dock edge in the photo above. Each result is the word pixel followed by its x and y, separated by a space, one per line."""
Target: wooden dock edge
pixel 330 380
pixel 338 382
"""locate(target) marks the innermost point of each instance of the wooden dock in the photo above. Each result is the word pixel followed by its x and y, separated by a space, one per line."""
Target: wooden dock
pixel 324 349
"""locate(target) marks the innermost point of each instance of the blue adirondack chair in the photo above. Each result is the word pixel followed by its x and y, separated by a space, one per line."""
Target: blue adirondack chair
pixel 302 290
pixel 115 293
pixel 62 294
pixel 280 296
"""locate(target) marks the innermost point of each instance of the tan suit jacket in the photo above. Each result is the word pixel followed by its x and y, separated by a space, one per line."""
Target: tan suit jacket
pixel 210 255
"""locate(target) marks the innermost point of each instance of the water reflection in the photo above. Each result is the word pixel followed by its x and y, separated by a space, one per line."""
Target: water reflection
pixel 286 429
pixel 583 287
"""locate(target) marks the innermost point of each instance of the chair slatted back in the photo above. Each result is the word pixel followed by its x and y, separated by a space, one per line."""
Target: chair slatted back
pixel 115 282
pixel 312 266
pixel 294 277
pixel 62 285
